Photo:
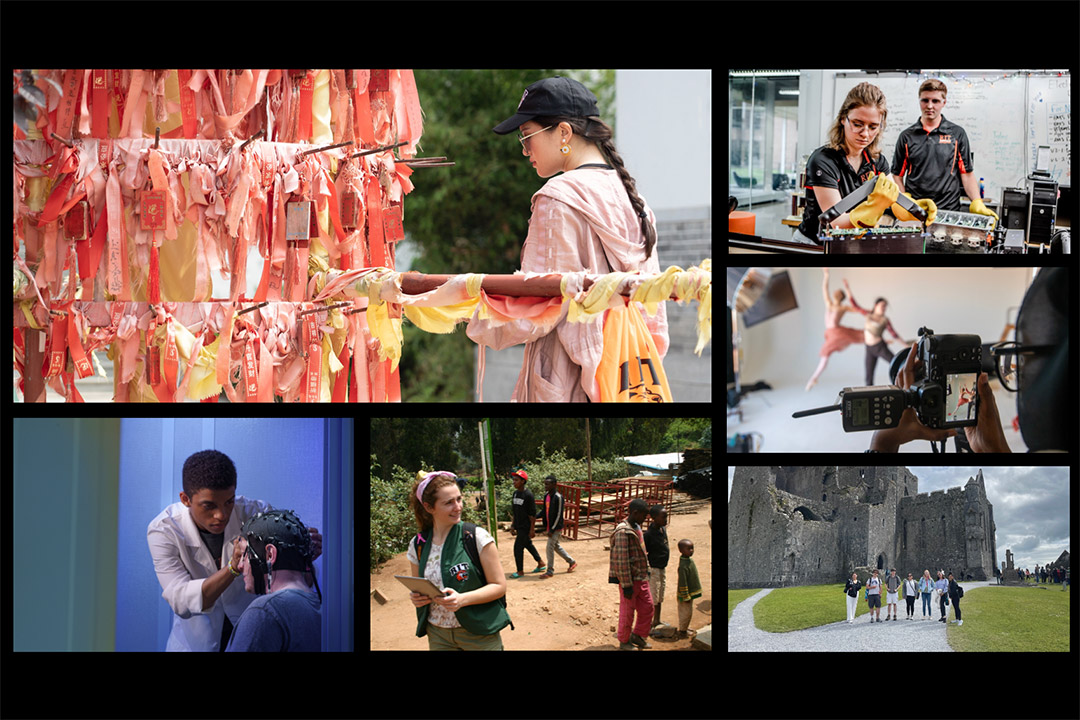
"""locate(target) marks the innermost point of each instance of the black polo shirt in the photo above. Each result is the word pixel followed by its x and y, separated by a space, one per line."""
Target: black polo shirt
pixel 933 162
pixel 829 168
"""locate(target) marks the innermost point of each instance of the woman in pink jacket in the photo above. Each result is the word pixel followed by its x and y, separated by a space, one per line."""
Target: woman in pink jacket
pixel 589 217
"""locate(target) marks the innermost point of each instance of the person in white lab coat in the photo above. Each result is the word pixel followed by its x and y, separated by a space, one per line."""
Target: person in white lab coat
pixel 196 557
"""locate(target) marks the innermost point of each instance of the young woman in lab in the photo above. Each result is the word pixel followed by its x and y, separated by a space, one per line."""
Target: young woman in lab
pixel 851 157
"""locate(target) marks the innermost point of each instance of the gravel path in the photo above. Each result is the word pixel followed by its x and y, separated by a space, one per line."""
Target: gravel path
pixel 926 635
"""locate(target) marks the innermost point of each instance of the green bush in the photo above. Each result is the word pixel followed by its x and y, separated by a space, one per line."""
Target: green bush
pixel 393 524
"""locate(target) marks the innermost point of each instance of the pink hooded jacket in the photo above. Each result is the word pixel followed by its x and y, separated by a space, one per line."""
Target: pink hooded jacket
pixel 581 220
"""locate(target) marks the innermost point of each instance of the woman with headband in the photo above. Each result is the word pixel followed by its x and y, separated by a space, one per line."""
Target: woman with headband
pixel 461 560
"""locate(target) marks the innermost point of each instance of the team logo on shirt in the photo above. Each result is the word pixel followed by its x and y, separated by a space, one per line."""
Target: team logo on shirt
pixel 460 572
pixel 944 139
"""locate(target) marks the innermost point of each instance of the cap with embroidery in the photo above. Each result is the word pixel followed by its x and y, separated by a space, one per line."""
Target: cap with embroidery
pixel 551 96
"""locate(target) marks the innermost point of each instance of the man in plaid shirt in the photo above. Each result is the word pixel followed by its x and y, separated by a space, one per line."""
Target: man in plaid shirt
pixel 630 570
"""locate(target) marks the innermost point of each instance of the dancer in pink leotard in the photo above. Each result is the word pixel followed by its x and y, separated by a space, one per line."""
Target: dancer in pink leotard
pixel 836 337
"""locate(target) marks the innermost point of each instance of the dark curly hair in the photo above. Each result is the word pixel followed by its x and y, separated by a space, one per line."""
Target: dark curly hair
pixel 208 469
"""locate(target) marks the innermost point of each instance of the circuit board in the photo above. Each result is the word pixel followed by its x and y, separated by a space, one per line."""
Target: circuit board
pixel 896 239
pixel 960 229
pixel 872 233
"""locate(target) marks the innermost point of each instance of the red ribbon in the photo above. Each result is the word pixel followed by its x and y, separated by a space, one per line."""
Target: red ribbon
pixel 313 376
pixel 307 91
pixel 187 104
pixel 99 95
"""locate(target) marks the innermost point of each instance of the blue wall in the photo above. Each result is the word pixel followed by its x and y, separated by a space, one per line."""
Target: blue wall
pixel 64 533
pixel 85 490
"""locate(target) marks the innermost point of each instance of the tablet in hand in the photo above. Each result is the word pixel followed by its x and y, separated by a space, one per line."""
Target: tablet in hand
pixel 420 585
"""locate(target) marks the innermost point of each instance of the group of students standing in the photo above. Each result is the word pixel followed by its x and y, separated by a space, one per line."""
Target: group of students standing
pixel 943 591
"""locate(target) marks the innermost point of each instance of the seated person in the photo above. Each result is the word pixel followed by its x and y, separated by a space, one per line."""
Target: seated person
pixel 286 615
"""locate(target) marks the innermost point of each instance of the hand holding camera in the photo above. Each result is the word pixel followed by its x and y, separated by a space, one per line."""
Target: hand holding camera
pixel 987 435
pixel 909 428
pixel 935 392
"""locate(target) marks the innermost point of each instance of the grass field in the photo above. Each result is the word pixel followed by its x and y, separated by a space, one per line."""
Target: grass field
pixel 1006 619
pixel 798 608
pixel 996 619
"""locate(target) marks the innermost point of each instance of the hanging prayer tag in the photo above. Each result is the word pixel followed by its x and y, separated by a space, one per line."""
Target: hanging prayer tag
pixel 251 364
pixel 380 81
pixel 350 209
pixel 298 220
pixel 152 211
pixel 75 221
pixel 392 224
pixel 153 365
pixel 312 343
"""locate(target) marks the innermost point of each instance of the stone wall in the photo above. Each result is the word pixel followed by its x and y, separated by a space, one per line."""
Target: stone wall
pixel 816 524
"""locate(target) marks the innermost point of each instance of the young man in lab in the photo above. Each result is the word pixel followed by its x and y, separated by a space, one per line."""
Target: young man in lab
pixel 933 156
pixel 196 558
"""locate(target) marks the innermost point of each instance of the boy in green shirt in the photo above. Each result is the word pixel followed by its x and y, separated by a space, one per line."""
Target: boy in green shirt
pixel 689 585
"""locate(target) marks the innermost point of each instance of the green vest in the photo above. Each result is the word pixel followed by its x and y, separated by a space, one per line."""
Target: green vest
pixel 460 575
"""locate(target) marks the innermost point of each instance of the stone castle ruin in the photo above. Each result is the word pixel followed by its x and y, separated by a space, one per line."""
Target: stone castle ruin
pixel 817 525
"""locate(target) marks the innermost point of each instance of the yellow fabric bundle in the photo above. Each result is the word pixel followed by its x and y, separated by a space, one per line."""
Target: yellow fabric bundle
pixel 654 291
pixel 387 331
pixel 596 299
pixel 696 284
pixel 203 382
pixel 443 319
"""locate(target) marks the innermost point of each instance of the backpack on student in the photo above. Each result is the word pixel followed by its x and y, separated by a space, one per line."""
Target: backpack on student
pixel 468 532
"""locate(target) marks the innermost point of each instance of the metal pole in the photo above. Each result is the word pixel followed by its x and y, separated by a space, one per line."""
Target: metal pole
pixel 487 467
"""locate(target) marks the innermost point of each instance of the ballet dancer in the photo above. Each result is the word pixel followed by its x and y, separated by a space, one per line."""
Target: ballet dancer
pixel 873 333
pixel 836 337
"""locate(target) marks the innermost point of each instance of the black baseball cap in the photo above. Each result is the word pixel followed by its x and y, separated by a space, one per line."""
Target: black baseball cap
pixel 551 96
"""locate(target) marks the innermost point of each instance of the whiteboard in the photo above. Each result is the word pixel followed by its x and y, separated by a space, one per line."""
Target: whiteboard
pixel 1006 119
pixel 1050 123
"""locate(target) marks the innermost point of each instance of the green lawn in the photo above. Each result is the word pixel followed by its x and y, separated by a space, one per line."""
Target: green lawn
pixel 996 619
pixel 798 608
pixel 1005 619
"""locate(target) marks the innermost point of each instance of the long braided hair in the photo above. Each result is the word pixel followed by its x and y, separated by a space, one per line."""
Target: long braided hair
pixel 596 130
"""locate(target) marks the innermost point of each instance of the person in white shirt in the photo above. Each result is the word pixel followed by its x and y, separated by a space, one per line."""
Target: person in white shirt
pixel 851 591
pixel 911 591
pixel 196 557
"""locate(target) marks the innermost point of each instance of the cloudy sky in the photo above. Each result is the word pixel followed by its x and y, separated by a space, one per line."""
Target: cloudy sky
pixel 1031 506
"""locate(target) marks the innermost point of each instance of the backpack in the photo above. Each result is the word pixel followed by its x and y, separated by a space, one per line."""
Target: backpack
pixel 468 532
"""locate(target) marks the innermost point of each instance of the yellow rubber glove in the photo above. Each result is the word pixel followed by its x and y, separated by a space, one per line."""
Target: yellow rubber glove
pixel 925 203
pixel 868 213
pixel 979 208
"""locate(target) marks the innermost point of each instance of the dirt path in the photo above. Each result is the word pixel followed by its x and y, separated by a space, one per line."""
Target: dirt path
pixel 576 611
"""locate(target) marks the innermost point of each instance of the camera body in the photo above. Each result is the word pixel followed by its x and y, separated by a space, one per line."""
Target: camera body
pixel 944 394
pixel 946 387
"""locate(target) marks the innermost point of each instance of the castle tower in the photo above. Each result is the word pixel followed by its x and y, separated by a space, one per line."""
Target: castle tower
pixel 814 525
pixel 980 531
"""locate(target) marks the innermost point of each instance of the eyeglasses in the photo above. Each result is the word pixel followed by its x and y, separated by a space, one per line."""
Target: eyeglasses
pixel 522 139
pixel 1009 359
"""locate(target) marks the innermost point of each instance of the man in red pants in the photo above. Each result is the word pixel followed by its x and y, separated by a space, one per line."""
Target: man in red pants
pixel 630 570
